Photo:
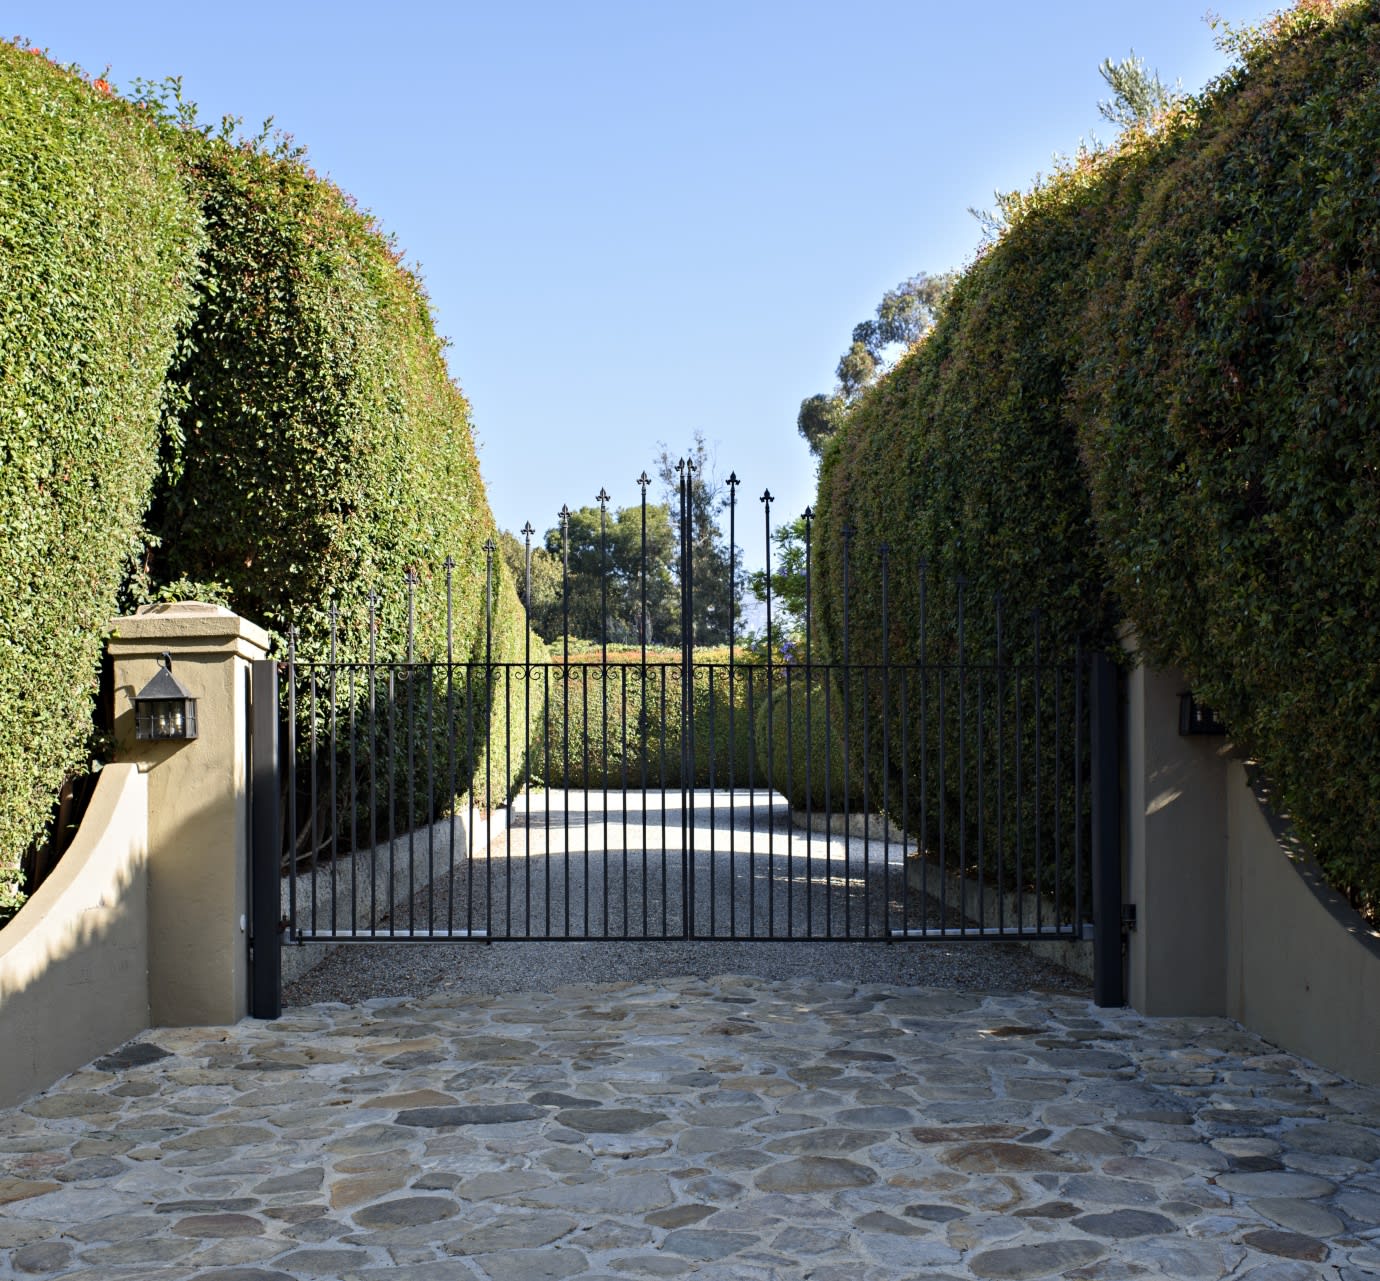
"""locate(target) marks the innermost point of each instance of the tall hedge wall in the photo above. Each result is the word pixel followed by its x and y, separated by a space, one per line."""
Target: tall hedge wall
pixel 98 252
pixel 322 451
pixel 1233 421
pixel 1154 399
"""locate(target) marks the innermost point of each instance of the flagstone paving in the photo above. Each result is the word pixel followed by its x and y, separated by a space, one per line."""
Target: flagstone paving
pixel 731 1128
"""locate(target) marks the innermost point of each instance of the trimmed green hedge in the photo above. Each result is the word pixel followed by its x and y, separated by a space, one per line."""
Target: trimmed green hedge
pixel 1155 398
pixel 963 461
pixel 98 253
pixel 801 730
pixel 323 451
pixel 613 725
pixel 1234 453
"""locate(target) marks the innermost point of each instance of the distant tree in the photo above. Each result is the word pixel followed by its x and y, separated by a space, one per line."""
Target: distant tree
pixel 903 317
pixel 821 415
pixel 602 594
pixel 1138 93
pixel 717 594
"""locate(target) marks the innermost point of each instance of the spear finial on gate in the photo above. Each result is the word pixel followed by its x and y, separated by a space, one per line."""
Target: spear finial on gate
pixel 489 547
pixel 644 480
pixel 527 532
pixel 564 515
pixel 602 497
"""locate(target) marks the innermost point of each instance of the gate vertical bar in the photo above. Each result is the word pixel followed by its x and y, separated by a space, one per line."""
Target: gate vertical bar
pixel 960 584
pixel 373 763
pixel 884 553
pixel 769 695
pixel 848 532
pixel 291 772
pixel 489 547
pixel 332 767
pixel 687 640
pixel 602 498
pixel 924 746
pixel 564 517
pixel 1038 710
pixel 807 517
pixel 643 481
pixel 1108 976
pixel 527 532
pixel 1078 870
pixel 266 997
pixel 733 483
pixel 410 816
pixel 450 713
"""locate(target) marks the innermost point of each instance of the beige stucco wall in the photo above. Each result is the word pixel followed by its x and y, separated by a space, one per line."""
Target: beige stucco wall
pixel 1175 842
pixel 74 961
pixel 1233 917
pixel 1303 969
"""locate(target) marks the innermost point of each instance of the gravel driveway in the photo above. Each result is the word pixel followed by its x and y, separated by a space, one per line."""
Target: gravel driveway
pixel 581 864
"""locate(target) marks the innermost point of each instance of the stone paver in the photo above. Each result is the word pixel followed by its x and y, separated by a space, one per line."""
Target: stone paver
pixel 730 1128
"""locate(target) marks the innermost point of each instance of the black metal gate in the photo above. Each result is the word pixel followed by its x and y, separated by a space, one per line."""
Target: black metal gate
pixel 961 785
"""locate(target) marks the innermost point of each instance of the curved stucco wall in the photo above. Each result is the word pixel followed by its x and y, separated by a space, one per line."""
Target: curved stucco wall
pixel 1303 969
pixel 74 961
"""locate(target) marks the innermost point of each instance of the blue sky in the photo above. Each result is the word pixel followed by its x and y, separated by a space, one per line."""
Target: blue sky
pixel 639 220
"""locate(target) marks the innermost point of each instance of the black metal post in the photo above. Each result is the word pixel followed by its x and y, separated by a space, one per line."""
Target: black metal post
pixel 1108 968
pixel 265 996
pixel 564 516
pixel 686 467
pixel 643 481
pixel 733 483
pixel 766 500
pixel 527 532
pixel 602 498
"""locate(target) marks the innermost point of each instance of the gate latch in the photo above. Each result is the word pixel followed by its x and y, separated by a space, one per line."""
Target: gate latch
pixel 1128 917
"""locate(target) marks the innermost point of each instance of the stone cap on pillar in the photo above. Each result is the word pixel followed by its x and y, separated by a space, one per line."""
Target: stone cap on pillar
pixel 187 627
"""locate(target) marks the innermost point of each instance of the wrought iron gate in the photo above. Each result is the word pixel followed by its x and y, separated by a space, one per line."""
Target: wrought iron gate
pixel 962 785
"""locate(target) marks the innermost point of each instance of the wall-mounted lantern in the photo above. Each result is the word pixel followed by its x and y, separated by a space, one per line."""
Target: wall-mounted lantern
pixel 1198 718
pixel 164 709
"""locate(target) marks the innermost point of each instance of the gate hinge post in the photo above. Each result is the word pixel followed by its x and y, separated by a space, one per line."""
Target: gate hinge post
pixel 265 978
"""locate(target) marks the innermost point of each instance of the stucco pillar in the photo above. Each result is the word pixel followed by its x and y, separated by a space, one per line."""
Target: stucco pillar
pixel 1176 812
pixel 198 798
